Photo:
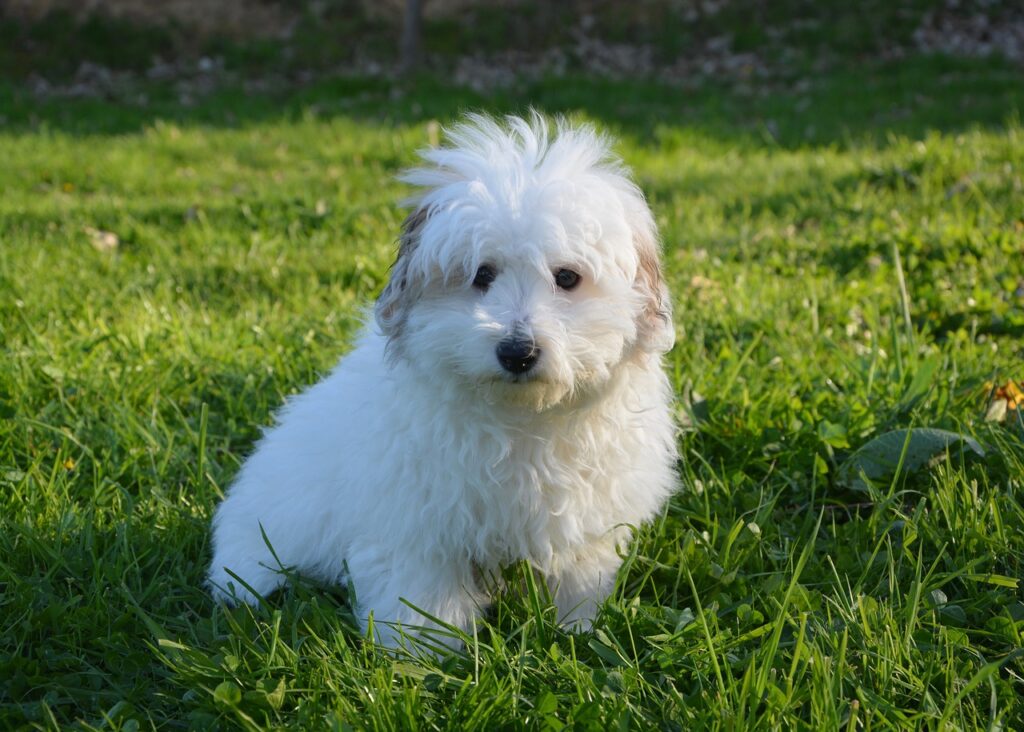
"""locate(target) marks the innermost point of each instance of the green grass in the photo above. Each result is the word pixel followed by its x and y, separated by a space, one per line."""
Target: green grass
pixel 771 594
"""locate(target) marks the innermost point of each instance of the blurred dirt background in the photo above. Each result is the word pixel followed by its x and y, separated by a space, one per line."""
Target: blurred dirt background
pixel 96 47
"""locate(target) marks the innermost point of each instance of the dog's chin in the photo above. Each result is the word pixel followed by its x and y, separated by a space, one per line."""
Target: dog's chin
pixel 523 392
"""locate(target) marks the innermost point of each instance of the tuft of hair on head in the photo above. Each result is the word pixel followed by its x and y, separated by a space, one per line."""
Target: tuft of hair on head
pixel 513 151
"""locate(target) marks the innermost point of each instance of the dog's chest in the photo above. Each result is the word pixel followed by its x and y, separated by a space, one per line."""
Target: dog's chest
pixel 540 495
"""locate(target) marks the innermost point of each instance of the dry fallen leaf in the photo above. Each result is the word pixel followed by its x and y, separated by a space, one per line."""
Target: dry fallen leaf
pixel 103 241
pixel 1005 398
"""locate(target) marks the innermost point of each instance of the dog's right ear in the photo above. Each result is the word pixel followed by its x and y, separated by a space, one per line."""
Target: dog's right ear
pixel 392 308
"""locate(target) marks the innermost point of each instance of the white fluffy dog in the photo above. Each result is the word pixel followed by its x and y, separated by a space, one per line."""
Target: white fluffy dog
pixel 510 404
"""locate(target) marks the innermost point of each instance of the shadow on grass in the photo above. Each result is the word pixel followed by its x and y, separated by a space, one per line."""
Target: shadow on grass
pixel 92 620
pixel 909 97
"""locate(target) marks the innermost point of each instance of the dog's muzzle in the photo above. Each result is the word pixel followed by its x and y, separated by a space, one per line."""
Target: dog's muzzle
pixel 517 355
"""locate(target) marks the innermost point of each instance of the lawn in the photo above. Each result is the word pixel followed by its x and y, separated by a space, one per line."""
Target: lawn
pixel 846 259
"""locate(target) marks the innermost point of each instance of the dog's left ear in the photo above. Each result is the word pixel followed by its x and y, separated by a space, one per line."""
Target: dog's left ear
pixel 392 308
pixel 655 331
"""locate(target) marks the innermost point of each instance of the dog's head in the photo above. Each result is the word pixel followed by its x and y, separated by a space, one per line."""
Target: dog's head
pixel 529 266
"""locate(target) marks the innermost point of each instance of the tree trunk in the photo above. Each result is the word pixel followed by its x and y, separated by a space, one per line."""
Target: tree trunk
pixel 411 32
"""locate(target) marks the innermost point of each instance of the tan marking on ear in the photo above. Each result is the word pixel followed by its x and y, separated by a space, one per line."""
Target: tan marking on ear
pixel 392 306
pixel 656 331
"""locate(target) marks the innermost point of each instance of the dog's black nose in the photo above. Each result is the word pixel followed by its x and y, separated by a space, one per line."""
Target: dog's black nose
pixel 516 355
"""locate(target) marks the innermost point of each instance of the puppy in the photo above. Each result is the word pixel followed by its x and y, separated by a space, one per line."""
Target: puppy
pixel 510 403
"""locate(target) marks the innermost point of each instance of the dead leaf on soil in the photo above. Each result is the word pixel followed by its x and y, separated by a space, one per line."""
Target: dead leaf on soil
pixel 1004 399
pixel 103 241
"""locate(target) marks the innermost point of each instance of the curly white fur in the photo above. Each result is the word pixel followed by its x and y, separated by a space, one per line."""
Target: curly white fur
pixel 420 463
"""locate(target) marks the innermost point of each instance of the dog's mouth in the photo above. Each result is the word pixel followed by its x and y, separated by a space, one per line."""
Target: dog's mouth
pixel 512 382
pixel 533 391
pixel 526 378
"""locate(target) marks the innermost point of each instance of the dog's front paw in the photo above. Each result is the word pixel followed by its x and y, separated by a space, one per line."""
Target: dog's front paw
pixel 421 638
pixel 578 627
pixel 579 620
pixel 437 608
pixel 257 582
pixel 582 583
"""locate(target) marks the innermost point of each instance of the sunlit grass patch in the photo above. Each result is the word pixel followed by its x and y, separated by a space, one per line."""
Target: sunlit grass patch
pixel 168 278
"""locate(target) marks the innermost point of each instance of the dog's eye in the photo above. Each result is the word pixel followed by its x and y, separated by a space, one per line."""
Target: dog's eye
pixel 484 277
pixel 566 279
